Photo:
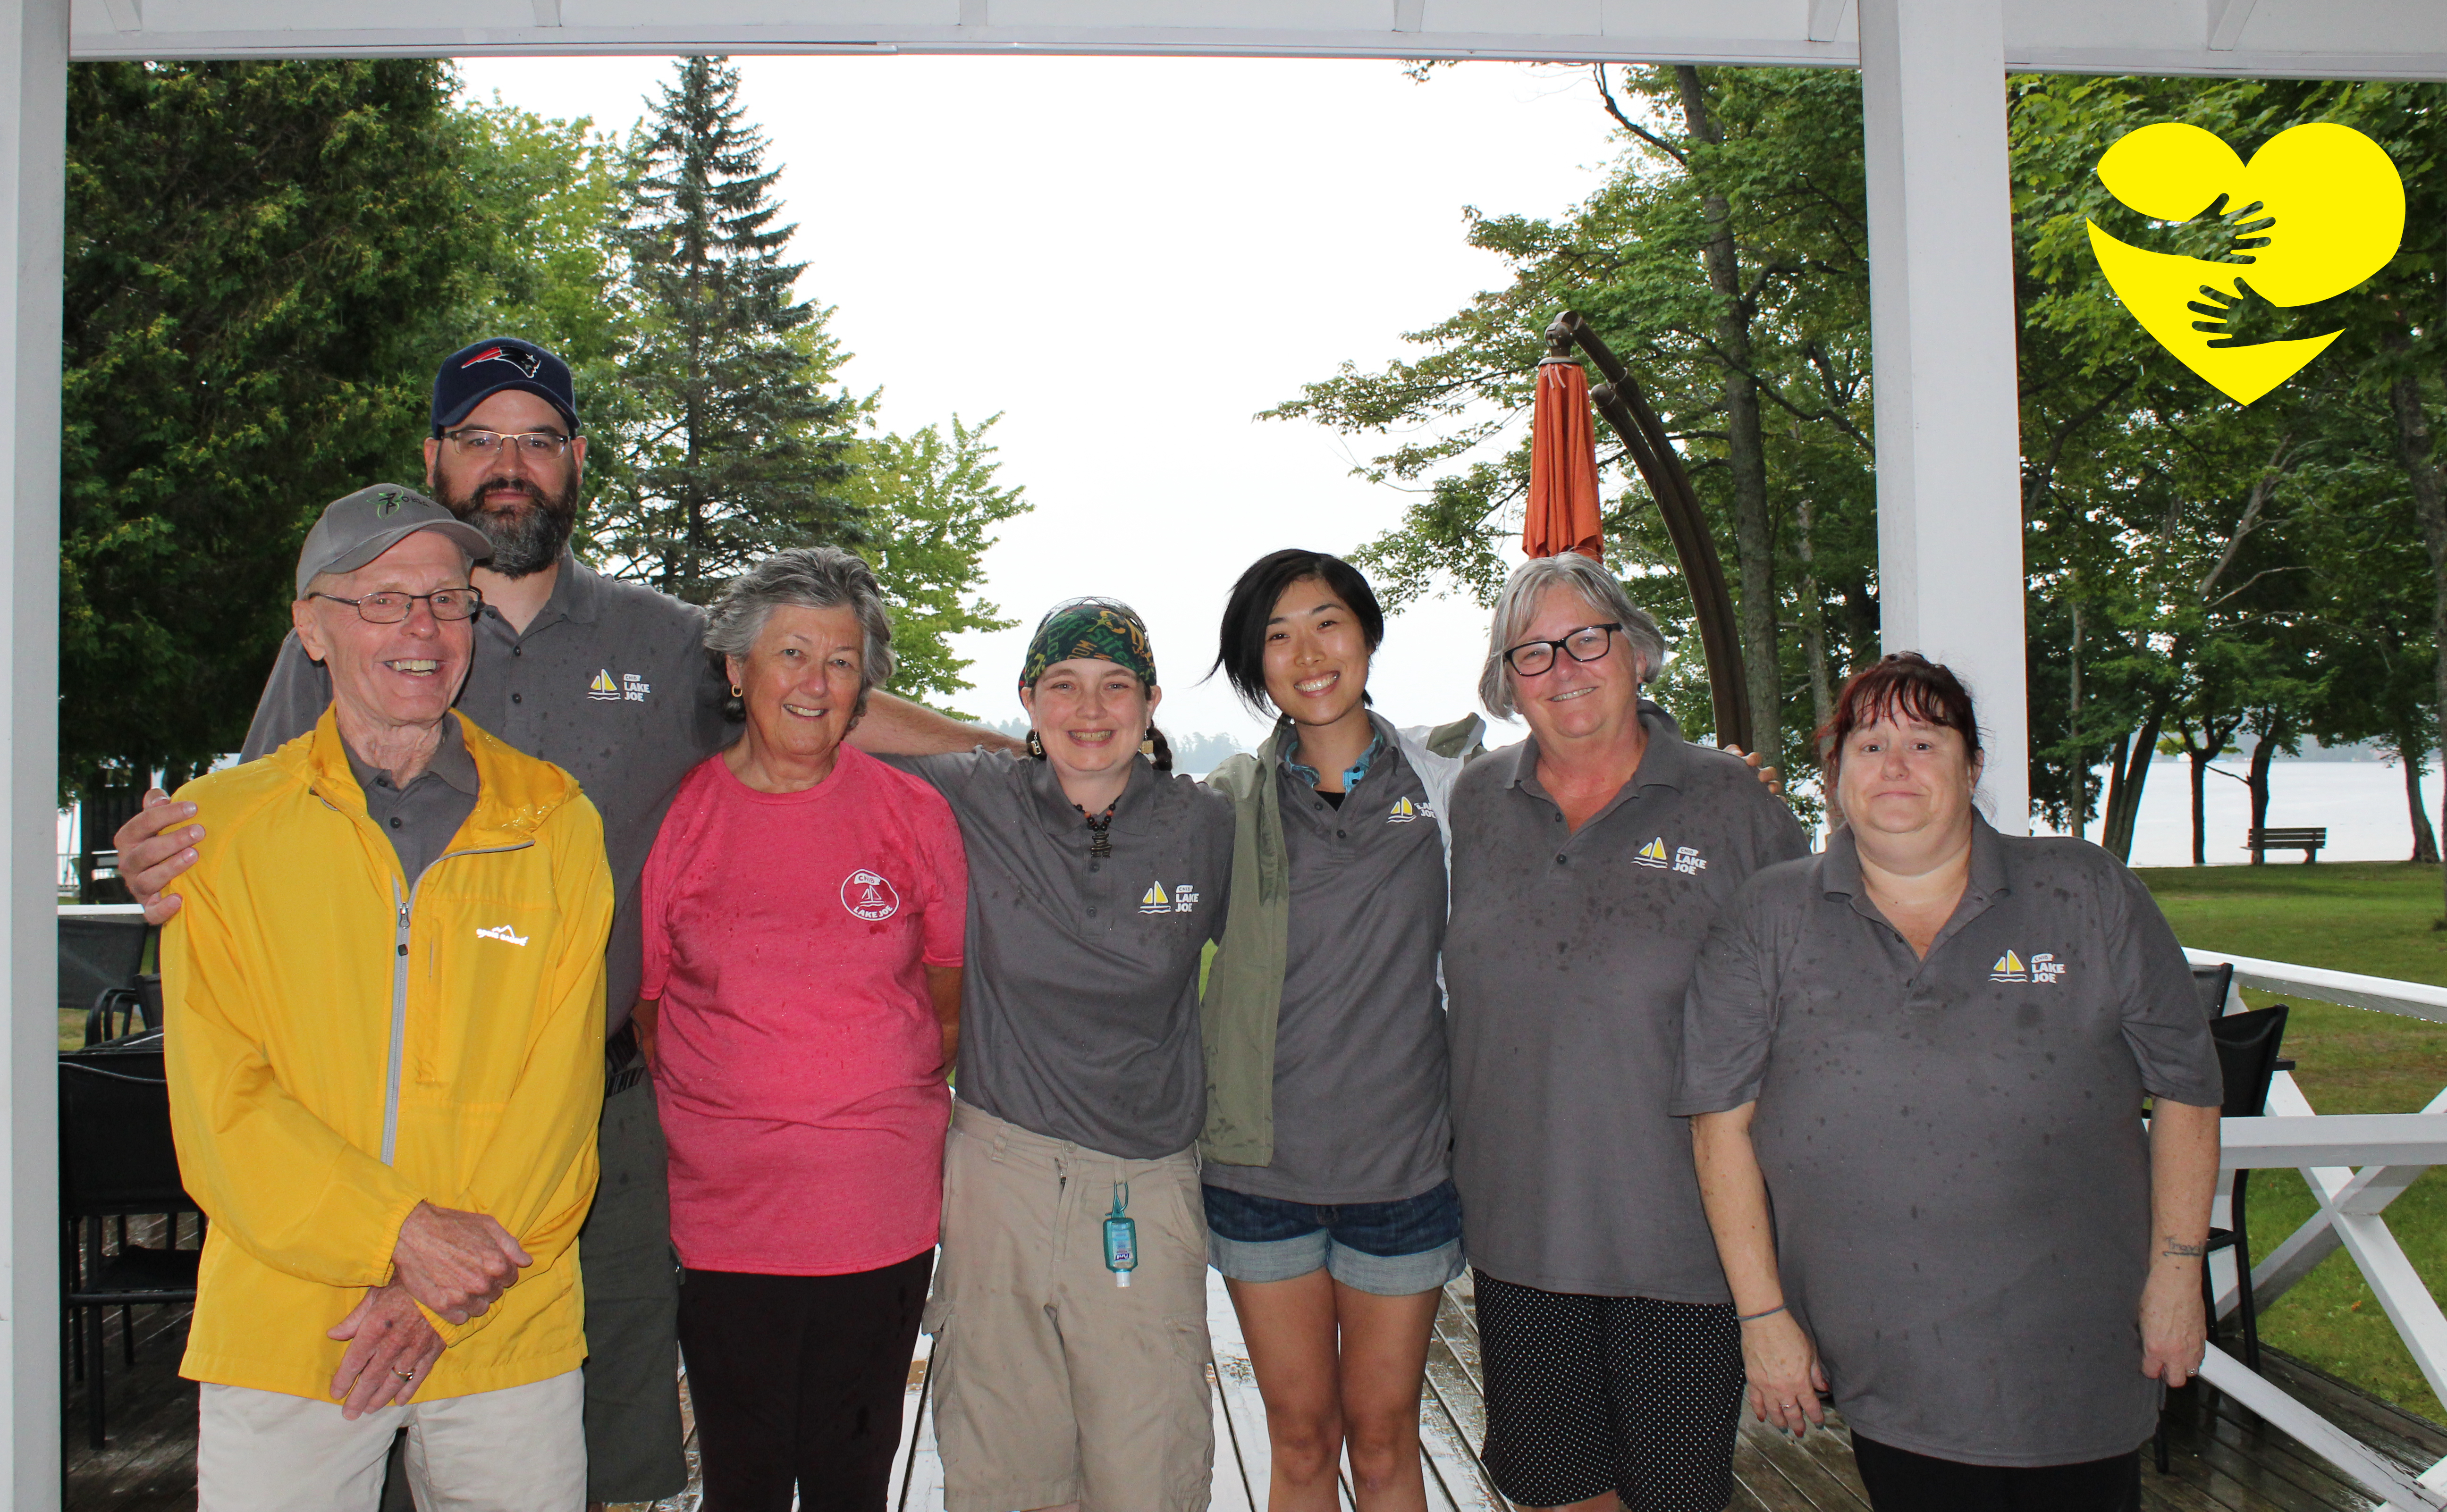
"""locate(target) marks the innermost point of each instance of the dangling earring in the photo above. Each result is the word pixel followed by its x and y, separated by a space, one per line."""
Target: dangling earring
pixel 1036 747
pixel 1146 747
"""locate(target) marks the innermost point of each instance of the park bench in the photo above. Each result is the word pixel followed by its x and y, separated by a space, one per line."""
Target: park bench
pixel 2307 839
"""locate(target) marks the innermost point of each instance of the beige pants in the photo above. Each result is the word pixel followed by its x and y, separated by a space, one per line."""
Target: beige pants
pixel 519 1449
pixel 1050 1383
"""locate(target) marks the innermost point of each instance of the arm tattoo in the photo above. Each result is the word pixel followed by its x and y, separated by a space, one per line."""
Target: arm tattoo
pixel 2180 1250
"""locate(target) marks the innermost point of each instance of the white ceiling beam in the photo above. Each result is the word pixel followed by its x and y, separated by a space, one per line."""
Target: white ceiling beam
pixel 2226 18
pixel 547 13
pixel 1410 15
pixel 1825 18
pixel 973 13
pixel 127 16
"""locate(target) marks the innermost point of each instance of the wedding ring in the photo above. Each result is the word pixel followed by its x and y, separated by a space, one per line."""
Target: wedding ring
pixel 405 1375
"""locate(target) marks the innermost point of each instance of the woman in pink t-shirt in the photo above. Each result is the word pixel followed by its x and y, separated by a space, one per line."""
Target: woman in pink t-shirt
pixel 803 914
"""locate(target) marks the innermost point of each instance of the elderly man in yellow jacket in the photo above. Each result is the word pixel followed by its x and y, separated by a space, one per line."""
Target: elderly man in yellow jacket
pixel 386 1057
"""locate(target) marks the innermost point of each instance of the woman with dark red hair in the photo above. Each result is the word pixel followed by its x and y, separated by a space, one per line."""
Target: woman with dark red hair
pixel 1915 1064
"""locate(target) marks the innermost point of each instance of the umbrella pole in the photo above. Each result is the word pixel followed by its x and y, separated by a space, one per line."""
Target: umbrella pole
pixel 1626 409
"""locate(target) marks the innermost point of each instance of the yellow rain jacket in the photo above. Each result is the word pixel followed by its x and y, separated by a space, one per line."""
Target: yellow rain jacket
pixel 345 1042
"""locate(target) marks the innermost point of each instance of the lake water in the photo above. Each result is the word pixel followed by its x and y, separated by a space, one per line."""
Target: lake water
pixel 2360 802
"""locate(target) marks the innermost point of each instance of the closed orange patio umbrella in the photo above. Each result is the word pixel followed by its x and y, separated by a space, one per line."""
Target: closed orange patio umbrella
pixel 1562 514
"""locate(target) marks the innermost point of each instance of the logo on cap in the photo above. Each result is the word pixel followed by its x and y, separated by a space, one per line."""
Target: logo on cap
pixel 525 362
pixel 388 507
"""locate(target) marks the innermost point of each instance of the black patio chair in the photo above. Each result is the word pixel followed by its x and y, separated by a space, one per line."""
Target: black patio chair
pixel 2248 1046
pixel 2214 983
pixel 117 1160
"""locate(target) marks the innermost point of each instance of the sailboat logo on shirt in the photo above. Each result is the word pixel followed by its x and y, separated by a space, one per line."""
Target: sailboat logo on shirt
pixel 2009 968
pixel 1404 811
pixel 1653 854
pixel 869 897
pixel 603 687
pixel 1154 900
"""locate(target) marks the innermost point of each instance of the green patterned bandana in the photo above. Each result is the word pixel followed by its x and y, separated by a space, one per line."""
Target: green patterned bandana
pixel 1102 628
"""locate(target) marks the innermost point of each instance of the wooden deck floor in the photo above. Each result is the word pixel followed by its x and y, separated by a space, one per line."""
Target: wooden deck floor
pixel 2224 1460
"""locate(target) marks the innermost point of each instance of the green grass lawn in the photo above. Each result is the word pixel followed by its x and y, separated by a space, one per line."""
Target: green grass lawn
pixel 2373 917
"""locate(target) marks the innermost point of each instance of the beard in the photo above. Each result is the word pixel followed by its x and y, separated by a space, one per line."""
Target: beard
pixel 529 532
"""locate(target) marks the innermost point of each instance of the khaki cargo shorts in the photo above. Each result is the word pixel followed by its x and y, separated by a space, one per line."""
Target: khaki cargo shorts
pixel 1050 1383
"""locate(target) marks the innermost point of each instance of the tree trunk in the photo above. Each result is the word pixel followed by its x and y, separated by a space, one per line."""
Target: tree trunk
pixel 1745 445
pixel 2200 764
pixel 2077 794
pixel 2262 755
pixel 2124 790
pixel 2412 450
pixel 1814 625
pixel 2425 840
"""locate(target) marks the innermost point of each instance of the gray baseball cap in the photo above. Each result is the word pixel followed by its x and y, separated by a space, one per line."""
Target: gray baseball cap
pixel 355 530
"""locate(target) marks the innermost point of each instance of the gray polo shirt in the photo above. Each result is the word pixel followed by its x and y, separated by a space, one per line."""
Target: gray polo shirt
pixel 421 818
pixel 1954 1145
pixel 1566 962
pixel 611 683
pixel 1360 1064
pixel 1080 1003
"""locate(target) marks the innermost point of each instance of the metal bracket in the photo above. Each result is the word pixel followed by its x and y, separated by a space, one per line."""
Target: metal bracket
pixel 1826 17
pixel 2226 18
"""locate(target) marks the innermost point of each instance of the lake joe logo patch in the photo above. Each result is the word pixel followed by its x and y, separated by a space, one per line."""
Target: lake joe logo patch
pixel 2043 969
pixel 1686 859
pixel 630 688
pixel 1182 899
pixel 869 897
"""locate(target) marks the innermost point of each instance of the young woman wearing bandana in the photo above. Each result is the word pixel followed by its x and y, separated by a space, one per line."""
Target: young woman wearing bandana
pixel 1068 1312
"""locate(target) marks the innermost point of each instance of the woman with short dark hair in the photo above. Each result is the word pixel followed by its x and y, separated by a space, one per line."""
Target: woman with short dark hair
pixel 1915 1065
pixel 1327 1177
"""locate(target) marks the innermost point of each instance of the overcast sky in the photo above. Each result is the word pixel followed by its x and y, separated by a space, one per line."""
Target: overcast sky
pixel 1129 258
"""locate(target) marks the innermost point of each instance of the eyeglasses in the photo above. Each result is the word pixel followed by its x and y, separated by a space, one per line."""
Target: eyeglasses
pixel 1587 644
pixel 536 444
pixel 392 609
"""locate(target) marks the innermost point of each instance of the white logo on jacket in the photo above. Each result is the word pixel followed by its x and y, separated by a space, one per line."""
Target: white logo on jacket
pixel 501 932
pixel 1182 899
pixel 869 897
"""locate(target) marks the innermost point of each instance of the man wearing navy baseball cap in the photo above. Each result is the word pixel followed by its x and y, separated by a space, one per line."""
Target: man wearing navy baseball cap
pixel 610 681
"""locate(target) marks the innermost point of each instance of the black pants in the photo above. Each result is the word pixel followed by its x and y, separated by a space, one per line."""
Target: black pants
pixel 1900 1481
pixel 798 1380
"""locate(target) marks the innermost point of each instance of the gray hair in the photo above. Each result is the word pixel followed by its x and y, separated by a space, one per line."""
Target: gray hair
pixel 811 577
pixel 1518 605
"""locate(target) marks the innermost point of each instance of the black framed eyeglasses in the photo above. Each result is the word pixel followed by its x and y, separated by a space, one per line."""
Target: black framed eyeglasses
pixel 536 446
pixel 1587 644
pixel 392 608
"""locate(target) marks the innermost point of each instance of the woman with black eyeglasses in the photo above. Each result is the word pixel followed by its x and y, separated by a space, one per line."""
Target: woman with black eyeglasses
pixel 1589 863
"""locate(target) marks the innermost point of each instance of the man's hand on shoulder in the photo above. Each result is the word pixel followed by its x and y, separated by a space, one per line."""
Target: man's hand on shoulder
pixel 392 1347
pixel 155 845
pixel 1766 774
pixel 896 726
pixel 457 1263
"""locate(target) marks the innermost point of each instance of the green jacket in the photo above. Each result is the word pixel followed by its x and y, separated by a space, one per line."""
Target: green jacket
pixel 1244 982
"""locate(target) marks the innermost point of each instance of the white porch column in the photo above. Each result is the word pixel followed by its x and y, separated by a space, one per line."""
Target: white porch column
pixel 33 121
pixel 1942 315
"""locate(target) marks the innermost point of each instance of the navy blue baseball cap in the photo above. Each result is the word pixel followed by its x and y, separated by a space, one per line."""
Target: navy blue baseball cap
pixel 475 374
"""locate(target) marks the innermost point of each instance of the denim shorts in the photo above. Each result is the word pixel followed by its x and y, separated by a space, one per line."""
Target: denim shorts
pixel 1390 1249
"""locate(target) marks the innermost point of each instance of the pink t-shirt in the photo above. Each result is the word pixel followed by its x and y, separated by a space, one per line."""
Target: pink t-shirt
pixel 797 1052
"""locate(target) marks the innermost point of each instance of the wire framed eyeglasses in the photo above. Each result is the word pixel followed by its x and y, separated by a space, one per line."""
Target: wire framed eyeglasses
pixel 537 446
pixel 392 608
pixel 1587 644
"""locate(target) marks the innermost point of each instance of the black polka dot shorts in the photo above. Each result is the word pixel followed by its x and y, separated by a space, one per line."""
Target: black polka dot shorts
pixel 1587 1395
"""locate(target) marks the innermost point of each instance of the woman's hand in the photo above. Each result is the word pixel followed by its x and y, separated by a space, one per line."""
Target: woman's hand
pixel 1785 1376
pixel 2173 1329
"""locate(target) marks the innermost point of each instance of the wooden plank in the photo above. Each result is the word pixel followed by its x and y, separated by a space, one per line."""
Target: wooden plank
pixel 2412 1441
pixel 1760 1484
pixel 1236 1397
pixel 2239 1456
pixel 2278 1452
pixel 1803 1470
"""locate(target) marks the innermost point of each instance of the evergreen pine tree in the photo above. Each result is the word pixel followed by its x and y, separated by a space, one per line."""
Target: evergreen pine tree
pixel 737 450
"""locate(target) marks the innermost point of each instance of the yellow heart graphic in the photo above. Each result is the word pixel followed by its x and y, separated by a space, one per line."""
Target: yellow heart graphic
pixel 2337 211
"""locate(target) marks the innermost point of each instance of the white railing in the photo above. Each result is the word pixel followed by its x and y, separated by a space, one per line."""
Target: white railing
pixel 2355 1165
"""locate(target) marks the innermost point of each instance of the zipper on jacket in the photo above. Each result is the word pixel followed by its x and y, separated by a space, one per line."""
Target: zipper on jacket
pixel 398 1029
